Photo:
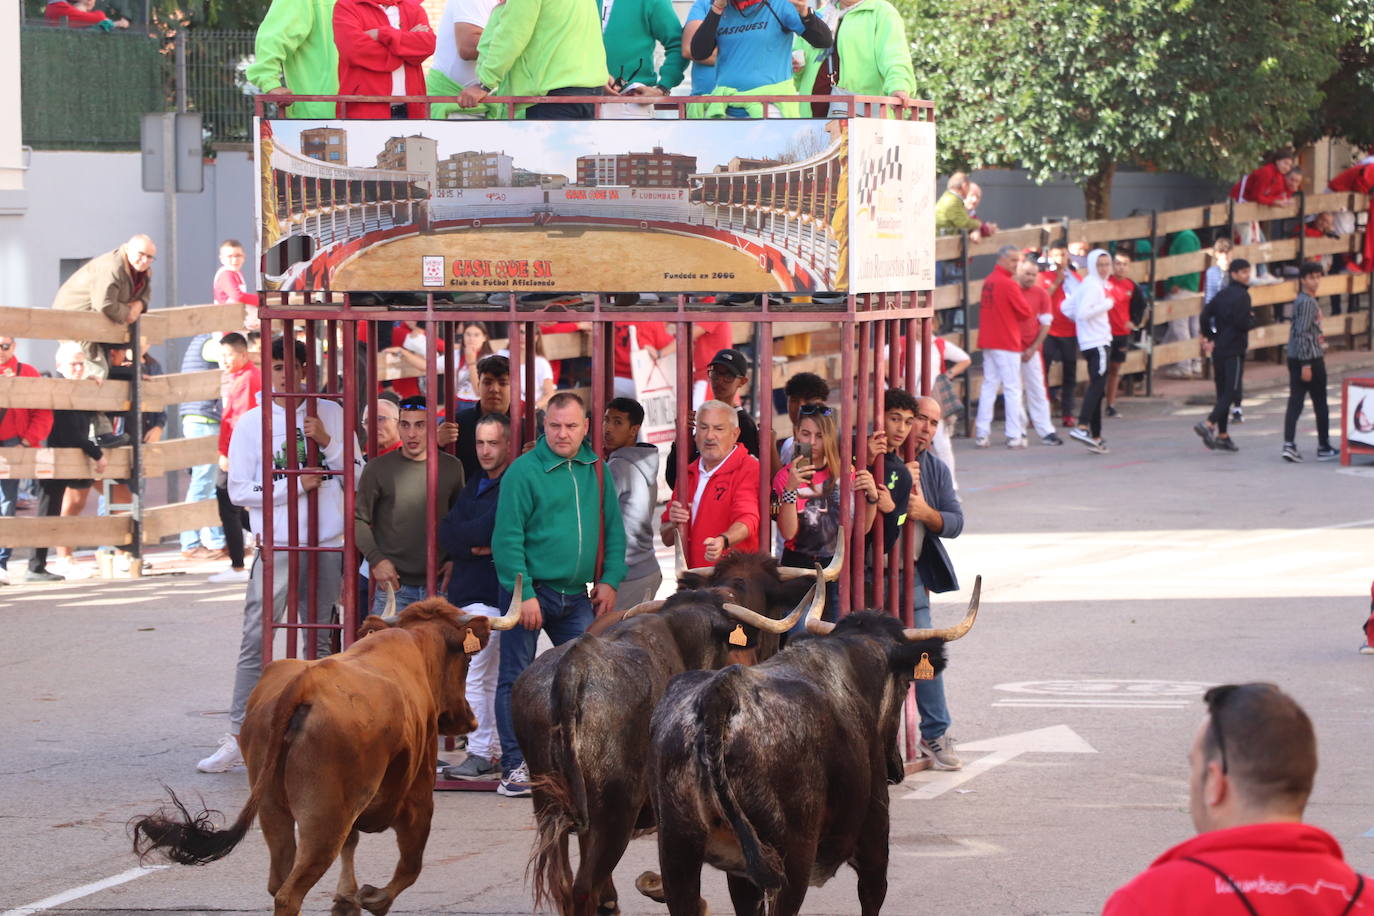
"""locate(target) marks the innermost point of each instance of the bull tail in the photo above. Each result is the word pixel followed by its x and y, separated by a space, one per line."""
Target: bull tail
pixel 716 706
pixel 561 804
pixel 191 839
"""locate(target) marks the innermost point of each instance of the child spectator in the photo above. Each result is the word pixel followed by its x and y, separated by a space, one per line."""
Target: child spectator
pixel 229 285
pixel 381 47
pixel 634 467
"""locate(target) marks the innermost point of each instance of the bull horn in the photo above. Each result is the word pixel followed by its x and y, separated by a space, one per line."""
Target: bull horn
pixel 814 624
pixel 512 617
pixel 644 607
pixel 679 555
pixel 812 604
pixel 948 634
pixel 832 571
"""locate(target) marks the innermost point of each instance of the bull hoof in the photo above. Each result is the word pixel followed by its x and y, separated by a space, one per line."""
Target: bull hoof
pixel 345 906
pixel 374 900
pixel 651 885
pixel 608 908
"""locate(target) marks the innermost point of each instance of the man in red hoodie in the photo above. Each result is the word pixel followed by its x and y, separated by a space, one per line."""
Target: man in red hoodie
pixel 382 44
pixel 1002 310
pixel 1251 769
pixel 21 427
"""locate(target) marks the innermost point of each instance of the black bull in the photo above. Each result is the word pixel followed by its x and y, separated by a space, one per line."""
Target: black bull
pixel 778 774
pixel 582 714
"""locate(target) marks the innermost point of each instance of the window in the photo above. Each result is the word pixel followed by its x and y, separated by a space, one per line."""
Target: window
pixel 333 155
pixel 333 141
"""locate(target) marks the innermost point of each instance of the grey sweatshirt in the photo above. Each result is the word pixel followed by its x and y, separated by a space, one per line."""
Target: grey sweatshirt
pixel 635 471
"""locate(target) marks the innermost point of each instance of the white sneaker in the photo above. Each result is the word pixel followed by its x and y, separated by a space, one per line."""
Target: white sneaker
pixel 4 576
pixel 1018 442
pixel 229 575
pixel 69 569
pixel 982 442
pixel 225 759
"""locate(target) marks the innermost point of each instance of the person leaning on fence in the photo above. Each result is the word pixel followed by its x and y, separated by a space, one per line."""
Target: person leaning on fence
pixel 390 509
pixel 1251 767
pixel 20 427
pixel 1088 307
pixel 67 497
pixel 247 477
pixel 717 510
pixel 294 54
pixel 558 527
pixel 1268 186
pixel 229 285
pixel 81 14
pixel 493 396
pixel 381 49
pixel 116 284
pixel 1034 330
pixel 454 67
pixel 752 42
pixel 869 56
pixel 1307 368
pixel 630 31
pixel 541 47
pixel 240 388
pixel 1226 324
pixel 466 534
pixel 1000 313
pixel 634 466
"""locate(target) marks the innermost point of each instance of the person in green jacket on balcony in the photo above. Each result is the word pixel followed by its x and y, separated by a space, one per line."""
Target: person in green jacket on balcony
pixel 294 54
pixel 629 30
pixel 870 56
pixel 541 47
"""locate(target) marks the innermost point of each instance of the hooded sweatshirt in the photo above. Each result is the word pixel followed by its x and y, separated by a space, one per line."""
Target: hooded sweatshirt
pixel 1089 304
pixel 296 39
pixel 870 41
pixel 531 47
pixel 635 469
pixel 547 521
pixel 630 33
pixel 246 473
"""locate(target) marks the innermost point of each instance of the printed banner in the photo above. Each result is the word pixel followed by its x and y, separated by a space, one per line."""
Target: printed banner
pixel 1359 412
pixel 892 205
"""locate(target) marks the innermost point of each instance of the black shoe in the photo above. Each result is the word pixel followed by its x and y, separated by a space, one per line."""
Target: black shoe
pixel 1113 412
pixel 1209 438
pixel 43 575
pixel 112 440
pixel 1327 453
pixel 1226 444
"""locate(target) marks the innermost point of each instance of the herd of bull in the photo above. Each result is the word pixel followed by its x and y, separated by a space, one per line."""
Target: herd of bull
pixel 677 715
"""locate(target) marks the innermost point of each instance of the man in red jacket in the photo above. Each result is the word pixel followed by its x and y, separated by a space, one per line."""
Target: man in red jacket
pixel 382 44
pixel 21 427
pixel 718 510
pixel 1251 769
pixel 1359 179
pixel 1002 310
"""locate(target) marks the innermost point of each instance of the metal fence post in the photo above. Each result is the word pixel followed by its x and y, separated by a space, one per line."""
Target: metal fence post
pixel 1150 297
pixel 136 470
pixel 963 317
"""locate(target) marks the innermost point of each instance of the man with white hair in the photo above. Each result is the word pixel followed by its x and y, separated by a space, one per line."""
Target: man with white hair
pixel 1002 310
pixel 718 508
pixel 388 435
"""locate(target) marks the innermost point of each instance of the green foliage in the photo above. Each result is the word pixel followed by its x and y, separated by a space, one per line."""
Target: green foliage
pixel 1078 88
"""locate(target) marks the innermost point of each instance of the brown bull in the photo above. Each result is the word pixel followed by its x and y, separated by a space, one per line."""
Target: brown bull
pixel 342 745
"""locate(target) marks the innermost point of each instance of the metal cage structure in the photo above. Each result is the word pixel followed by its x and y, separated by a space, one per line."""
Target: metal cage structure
pixel 879 337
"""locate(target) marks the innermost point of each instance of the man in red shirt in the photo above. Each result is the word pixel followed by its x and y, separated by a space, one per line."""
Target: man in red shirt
pixel 718 509
pixel 649 335
pixel 1250 772
pixel 1128 307
pixel 1061 344
pixel 1002 310
pixel 1034 330
pixel 21 427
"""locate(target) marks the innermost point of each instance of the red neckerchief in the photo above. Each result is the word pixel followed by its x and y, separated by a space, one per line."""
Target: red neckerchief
pixel 742 5
pixel 10 367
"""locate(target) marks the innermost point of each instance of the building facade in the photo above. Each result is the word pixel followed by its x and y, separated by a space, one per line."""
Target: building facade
pixel 327 144
pixel 655 169
pixel 473 169
pixel 410 154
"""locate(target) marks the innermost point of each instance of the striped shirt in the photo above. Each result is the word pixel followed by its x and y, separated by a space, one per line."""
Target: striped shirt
pixel 1305 340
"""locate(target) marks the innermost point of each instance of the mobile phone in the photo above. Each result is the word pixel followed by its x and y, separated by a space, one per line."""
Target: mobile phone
pixel 804 451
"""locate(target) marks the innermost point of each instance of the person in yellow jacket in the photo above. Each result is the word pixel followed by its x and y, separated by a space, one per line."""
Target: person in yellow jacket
pixel 294 54
pixel 870 56
pixel 541 47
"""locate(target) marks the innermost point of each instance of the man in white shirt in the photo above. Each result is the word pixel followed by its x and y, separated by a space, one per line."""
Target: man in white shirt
pixel 454 67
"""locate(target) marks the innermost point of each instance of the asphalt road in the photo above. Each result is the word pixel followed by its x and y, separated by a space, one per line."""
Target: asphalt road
pixel 1116 588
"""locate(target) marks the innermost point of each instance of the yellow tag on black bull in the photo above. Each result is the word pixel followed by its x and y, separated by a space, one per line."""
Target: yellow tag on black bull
pixel 471 644
pixel 925 671
pixel 737 637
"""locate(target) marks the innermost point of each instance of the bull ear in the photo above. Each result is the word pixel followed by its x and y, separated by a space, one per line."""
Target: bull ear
pixel 371 624
pixel 905 656
pixel 689 580
pixel 459 638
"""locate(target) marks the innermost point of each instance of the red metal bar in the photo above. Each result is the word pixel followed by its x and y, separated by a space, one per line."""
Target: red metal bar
pixel 370 394
pixel 863 395
pixel 312 499
pixel 266 536
pixel 897 379
pixel 684 404
pixel 289 452
pixel 431 451
pixel 847 395
pixel 878 598
pixel 601 349
pixel 349 578
pixel 763 383
pixel 515 346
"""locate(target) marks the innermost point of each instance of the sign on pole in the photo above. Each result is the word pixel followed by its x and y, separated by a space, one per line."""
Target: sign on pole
pixel 187 152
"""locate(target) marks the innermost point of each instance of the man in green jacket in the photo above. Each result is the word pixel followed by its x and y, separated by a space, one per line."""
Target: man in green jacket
pixel 294 54
pixel 558 514
pixel 541 47
pixel 630 29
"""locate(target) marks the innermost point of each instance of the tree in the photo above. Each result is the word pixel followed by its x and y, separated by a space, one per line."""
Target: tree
pixel 1080 88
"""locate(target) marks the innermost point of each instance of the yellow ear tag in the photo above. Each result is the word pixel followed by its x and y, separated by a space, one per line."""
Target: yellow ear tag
pixel 737 637
pixel 471 644
pixel 925 671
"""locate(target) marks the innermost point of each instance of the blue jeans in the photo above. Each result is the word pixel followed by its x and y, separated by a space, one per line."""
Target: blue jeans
pixel 565 617
pixel 202 485
pixel 406 595
pixel 9 498
pixel 930 695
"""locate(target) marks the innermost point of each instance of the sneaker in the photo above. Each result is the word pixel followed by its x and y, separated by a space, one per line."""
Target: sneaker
pixel 1209 438
pixel 225 758
pixel 42 575
pixel 1327 453
pixel 1018 442
pixel 941 753
pixel 1367 649
pixel 229 575
pixel 1069 422
pixel 1237 415
pixel 69 569
pixel 1291 453
pixel 4 576
pixel 1080 434
pixel 1051 439
pixel 1226 444
pixel 517 784
pixel 475 767
pixel 1113 412
pixel 1098 446
pixel 982 442
pixel 112 440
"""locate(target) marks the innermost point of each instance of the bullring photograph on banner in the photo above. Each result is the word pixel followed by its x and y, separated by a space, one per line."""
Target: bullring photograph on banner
pixel 596 206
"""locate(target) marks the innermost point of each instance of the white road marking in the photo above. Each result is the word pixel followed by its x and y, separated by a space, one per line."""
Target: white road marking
pixel 962 848
pixel 1062 704
pixel 84 890
pixel 1057 739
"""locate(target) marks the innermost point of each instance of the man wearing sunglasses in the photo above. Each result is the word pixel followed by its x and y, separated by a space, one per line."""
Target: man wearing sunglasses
pixel 1250 771
pixel 116 284
pixel 18 426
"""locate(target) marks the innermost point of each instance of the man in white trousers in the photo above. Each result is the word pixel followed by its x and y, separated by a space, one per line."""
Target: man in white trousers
pixel 1000 314
pixel 1034 330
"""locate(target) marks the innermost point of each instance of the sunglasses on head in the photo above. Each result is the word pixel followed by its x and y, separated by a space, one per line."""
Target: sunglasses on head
pixel 1216 699
pixel 815 410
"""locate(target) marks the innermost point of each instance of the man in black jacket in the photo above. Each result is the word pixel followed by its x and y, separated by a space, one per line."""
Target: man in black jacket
pixel 1226 324
pixel 466 535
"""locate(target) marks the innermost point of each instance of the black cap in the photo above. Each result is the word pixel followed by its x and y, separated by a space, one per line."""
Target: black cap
pixel 733 360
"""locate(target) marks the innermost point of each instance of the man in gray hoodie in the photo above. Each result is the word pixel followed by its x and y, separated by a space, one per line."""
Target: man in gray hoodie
pixel 634 467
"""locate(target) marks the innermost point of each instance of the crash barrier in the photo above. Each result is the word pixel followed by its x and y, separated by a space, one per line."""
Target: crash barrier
pixel 134 463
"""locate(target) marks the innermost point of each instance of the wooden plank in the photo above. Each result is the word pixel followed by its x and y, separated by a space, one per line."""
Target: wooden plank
pixel 947 297
pixel 73 531
pixel 1110 230
pixel 17 462
pixel 1267 252
pixel 63 394
pixel 946 247
pixel 54 324
pixel 1336 200
pixel 1248 212
pixel 1176 352
pixel 1195 262
pixel 179 387
pixel 1346 244
pixel 174 518
pixel 1169 309
pixel 189 320
pixel 176 454
pixel 1025 237
pixel 1274 293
